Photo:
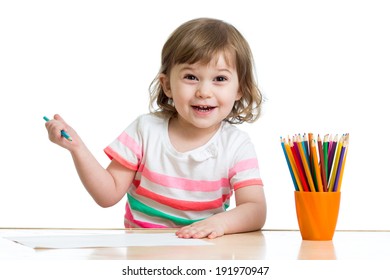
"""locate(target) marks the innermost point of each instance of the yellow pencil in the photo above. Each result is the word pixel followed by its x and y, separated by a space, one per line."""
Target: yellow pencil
pixel 306 166
pixel 313 150
pixel 335 163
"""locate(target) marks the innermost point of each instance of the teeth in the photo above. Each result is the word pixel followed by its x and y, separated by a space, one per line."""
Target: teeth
pixel 203 108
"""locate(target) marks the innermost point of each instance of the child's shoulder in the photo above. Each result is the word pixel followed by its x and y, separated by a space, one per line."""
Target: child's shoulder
pixel 232 132
pixel 150 119
pixel 147 124
pixel 233 138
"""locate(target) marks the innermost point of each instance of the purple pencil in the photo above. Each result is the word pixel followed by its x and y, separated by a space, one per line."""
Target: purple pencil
pixel 341 160
pixel 331 153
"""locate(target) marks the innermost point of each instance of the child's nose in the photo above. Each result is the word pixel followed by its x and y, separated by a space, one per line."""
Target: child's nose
pixel 204 91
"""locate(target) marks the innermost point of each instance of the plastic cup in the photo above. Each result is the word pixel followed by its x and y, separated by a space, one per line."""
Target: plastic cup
pixel 317 214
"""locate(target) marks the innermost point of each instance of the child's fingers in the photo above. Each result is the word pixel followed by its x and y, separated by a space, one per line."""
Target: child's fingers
pixel 213 235
pixel 61 124
pixel 55 128
pixel 57 117
pixel 198 231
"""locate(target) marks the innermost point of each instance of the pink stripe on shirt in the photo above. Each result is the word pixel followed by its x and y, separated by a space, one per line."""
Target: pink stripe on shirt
pixel 247 183
pixel 129 142
pixel 130 218
pixel 185 184
pixel 185 205
pixel 114 155
pixel 243 165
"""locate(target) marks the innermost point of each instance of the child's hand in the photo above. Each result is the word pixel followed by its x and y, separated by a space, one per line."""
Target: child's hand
pixel 54 128
pixel 248 215
pixel 209 228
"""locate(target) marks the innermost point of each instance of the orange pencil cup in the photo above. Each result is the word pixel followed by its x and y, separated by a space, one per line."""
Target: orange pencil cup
pixel 317 214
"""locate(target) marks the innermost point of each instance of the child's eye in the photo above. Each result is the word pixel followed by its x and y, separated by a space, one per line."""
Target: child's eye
pixel 220 79
pixel 190 77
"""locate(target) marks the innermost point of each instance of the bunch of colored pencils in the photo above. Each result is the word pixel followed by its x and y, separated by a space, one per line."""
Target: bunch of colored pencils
pixel 316 167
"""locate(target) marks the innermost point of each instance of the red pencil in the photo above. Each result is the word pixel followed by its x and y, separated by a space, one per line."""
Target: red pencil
pixel 298 162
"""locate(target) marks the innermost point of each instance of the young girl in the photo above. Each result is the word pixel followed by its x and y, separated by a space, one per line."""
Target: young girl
pixel 180 164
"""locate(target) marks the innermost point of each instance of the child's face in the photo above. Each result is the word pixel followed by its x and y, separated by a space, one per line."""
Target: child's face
pixel 203 95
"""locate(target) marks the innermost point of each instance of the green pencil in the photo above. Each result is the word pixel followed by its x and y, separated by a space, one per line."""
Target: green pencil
pixel 63 132
pixel 325 147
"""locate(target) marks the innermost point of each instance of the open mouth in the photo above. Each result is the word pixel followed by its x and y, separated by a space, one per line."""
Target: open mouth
pixel 202 108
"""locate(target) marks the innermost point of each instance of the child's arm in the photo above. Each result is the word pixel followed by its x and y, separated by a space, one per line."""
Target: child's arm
pixel 248 215
pixel 106 186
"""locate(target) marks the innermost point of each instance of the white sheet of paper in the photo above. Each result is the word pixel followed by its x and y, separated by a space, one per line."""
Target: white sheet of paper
pixel 105 240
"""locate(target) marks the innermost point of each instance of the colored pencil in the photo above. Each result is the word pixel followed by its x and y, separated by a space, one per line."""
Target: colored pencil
pixel 311 161
pixel 325 146
pixel 293 166
pixel 331 154
pixel 289 163
pixel 346 143
pixel 316 166
pixel 307 169
pixel 322 166
pixel 336 156
pixel 299 167
pixel 339 166
pixel 63 132
pixel 306 149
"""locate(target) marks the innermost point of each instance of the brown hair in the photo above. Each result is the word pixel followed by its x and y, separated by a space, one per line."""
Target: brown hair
pixel 199 40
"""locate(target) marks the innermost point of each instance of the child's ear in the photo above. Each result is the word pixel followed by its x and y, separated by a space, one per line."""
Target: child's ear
pixel 239 95
pixel 164 81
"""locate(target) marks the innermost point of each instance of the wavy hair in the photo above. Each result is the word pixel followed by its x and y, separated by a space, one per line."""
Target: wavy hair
pixel 199 40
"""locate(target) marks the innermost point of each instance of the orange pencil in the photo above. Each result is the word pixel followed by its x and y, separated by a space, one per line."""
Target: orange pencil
pixel 315 165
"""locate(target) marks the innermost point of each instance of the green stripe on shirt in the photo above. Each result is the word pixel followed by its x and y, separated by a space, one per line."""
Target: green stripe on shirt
pixel 143 208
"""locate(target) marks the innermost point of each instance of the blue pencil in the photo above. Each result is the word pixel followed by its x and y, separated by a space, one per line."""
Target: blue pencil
pixel 289 165
pixel 63 132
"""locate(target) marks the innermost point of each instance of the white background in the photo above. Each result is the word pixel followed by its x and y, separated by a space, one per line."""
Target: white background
pixel 323 67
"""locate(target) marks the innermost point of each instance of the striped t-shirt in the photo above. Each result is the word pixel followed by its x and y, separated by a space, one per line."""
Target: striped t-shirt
pixel 173 189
